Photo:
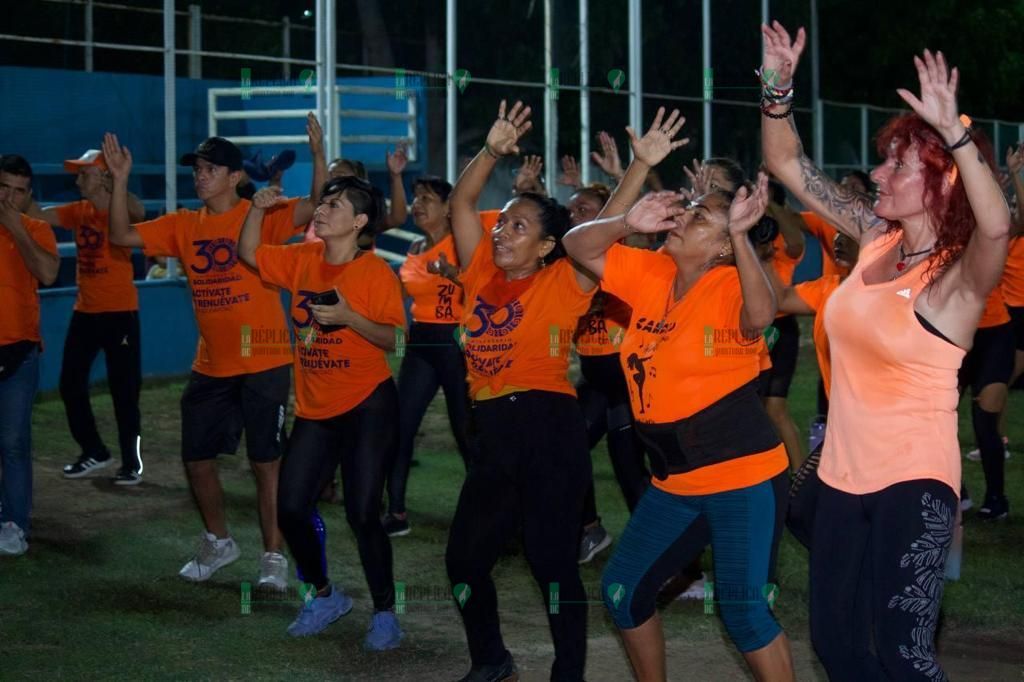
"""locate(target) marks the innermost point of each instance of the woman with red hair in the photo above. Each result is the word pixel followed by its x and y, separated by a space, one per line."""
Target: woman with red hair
pixel 932 247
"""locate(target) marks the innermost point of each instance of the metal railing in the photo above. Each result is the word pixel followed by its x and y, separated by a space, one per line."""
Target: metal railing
pixel 216 114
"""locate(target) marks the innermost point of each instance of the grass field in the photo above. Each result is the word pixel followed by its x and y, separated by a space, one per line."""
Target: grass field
pixel 98 597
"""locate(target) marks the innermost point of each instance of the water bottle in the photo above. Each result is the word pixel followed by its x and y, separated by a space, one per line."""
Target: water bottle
pixel 816 433
pixel 956 550
pixel 321 535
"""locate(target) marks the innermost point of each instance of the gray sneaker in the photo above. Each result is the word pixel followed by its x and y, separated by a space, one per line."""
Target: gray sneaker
pixel 595 540
pixel 12 539
pixel 212 555
pixel 273 571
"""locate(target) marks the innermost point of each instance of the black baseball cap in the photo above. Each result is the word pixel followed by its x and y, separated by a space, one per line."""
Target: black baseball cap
pixel 217 151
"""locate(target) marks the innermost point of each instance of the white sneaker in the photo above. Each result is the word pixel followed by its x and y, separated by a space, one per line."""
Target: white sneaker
pixel 273 571
pixel 12 539
pixel 695 590
pixel 211 555
pixel 975 454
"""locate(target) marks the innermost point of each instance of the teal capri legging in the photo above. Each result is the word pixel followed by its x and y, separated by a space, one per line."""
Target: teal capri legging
pixel 666 532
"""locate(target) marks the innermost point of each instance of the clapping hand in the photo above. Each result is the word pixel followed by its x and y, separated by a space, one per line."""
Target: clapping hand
pixel 748 207
pixel 700 179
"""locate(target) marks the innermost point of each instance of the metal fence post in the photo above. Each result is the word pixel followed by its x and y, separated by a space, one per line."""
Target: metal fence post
pixel 88 35
pixel 195 41
pixel 286 46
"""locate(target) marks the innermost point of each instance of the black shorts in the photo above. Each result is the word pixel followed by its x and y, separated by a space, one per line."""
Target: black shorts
pixel 990 360
pixel 1017 322
pixel 215 410
pixel 775 381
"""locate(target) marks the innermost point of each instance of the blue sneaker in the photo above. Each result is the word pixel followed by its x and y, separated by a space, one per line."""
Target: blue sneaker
pixel 281 162
pixel 255 168
pixel 319 613
pixel 383 633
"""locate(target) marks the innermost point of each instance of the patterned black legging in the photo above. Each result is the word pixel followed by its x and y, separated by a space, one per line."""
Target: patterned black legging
pixel 888 549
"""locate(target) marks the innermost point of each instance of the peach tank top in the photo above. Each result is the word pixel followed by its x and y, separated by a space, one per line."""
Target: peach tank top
pixel 893 408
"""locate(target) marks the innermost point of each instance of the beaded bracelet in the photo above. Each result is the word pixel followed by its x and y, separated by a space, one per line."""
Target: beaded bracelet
pixel 765 104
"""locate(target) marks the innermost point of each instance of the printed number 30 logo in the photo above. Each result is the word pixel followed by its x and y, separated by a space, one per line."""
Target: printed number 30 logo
pixel 219 254
pixel 303 305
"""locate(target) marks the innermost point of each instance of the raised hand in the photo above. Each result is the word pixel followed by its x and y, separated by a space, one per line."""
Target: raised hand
pixel 699 177
pixel 655 212
pixel 937 104
pixel 316 135
pixel 653 147
pixel 748 207
pixel 528 177
pixel 1015 159
pixel 571 176
pixel 396 162
pixel 268 197
pixel 781 54
pixel 504 135
pixel 117 158
pixel 608 159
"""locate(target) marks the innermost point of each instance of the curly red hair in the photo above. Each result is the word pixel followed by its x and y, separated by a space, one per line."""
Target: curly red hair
pixel 951 214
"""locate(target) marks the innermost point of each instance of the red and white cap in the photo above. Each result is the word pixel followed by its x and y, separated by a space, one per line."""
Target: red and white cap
pixel 92 157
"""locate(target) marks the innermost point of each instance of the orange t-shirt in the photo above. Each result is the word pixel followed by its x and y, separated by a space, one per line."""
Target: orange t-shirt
pixel 823 231
pixel 601 330
pixel 893 403
pixel 519 333
pixel 337 370
pixel 814 294
pixel 995 312
pixel 105 273
pixel 489 218
pixel 783 263
pixel 681 357
pixel 242 329
pixel 19 289
pixel 435 299
pixel 1012 283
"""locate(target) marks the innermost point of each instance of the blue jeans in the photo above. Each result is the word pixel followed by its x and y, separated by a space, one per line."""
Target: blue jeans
pixel 16 394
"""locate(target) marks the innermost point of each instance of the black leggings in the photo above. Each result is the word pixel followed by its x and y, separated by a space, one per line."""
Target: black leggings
pixel 363 440
pixel 604 398
pixel 533 467
pixel 886 551
pixel 990 361
pixel 432 359
pixel 117 335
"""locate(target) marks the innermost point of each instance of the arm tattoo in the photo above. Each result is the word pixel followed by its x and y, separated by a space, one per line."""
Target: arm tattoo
pixel 852 208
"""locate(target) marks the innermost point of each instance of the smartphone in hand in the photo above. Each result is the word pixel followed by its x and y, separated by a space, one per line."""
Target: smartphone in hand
pixel 327 298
